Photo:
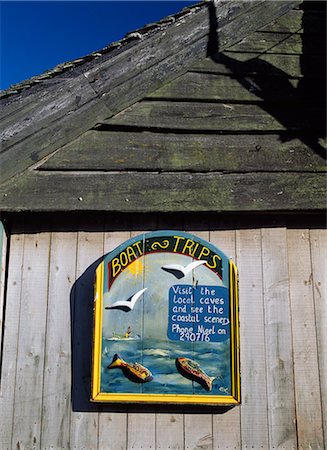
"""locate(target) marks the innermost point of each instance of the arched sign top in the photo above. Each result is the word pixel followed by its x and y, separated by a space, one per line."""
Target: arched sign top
pixel 166 322
pixel 175 242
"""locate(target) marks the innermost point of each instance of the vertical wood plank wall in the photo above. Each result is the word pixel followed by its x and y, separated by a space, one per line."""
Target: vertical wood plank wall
pixel 282 282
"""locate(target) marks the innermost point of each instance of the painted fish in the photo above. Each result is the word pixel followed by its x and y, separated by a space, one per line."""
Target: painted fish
pixel 134 371
pixel 191 369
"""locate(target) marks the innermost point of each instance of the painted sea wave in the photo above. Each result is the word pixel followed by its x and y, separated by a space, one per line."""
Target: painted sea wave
pixel 159 357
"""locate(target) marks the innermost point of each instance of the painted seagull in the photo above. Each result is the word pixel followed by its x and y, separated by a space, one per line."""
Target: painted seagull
pixel 181 271
pixel 127 305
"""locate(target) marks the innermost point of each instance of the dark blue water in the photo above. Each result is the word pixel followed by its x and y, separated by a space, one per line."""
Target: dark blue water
pixel 159 357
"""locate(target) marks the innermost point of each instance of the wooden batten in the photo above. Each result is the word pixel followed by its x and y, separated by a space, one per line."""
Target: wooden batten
pixel 167 192
pixel 269 64
pixel 153 151
pixel 198 116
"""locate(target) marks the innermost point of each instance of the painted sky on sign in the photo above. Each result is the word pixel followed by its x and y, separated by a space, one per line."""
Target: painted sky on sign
pixel 36 36
pixel 154 304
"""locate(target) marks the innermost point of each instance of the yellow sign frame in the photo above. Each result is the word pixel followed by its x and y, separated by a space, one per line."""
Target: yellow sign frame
pixel 233 399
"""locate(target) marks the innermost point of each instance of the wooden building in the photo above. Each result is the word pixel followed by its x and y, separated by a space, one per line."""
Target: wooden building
pixel 210 121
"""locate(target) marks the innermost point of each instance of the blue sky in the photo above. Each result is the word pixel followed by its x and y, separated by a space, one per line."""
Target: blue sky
pixel 36 36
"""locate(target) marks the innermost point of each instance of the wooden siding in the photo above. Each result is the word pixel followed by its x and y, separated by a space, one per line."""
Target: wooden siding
pixel 282 283
pixel 240 130
pixel 132 151
pixel 171 192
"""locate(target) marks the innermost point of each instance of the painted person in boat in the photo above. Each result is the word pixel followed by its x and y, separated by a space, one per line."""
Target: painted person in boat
pixel 134 372
pixel 191 369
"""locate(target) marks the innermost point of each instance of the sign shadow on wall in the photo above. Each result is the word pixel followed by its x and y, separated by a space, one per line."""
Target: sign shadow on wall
pixel 82 305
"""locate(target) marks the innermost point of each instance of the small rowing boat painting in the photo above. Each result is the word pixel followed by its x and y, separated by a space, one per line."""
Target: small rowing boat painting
pixel 166 323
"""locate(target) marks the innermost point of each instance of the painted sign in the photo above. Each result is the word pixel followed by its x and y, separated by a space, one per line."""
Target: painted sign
pixel 166 323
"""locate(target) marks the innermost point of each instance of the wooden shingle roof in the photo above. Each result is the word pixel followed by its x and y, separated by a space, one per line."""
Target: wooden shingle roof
pixel 216 109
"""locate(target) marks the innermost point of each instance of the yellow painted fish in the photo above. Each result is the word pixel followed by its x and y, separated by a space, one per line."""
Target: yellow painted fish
pixel 191 369
pixel 134 371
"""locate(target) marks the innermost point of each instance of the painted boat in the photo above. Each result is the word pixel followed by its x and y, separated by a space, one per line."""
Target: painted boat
pixel 133 371
pixel 123 337
pixel 191 369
